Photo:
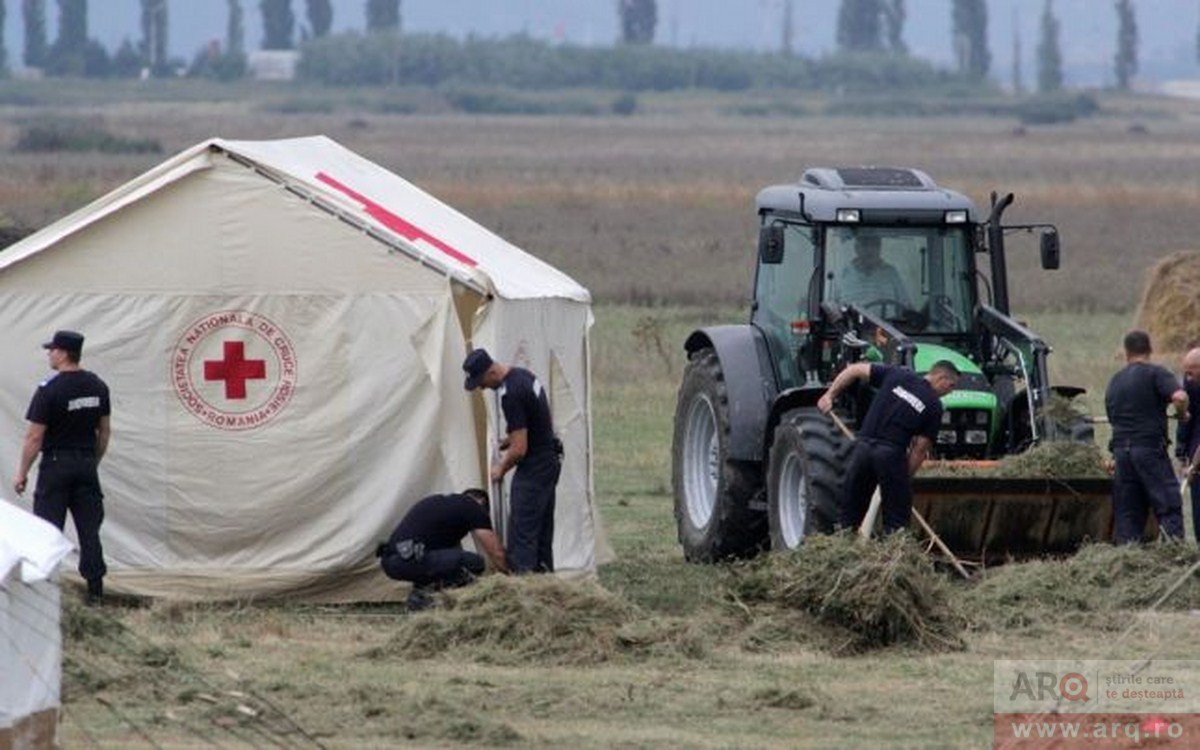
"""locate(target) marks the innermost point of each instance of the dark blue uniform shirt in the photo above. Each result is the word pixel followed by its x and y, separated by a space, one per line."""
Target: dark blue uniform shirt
pixel 70 405
pixel 523 400
pixel 441 521
pixel 905 405
pixel 1136 402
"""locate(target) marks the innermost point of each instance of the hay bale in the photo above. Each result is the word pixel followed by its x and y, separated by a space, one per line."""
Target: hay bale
pixel 1170 307
pixel 1100 579
pixel 879 594
pixel 519 620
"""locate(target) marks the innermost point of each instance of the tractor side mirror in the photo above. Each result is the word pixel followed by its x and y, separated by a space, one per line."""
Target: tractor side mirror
pixel 770 244
pixel 1051 256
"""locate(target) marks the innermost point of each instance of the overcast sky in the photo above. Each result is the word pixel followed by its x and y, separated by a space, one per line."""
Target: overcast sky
pixel 1168 27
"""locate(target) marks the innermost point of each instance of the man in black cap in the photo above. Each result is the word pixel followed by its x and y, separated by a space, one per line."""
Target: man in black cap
pixel 533 449
pixel 69 425
pixel 425 549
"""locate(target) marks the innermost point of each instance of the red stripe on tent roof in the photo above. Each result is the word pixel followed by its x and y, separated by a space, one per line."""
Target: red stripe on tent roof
pixel 405 229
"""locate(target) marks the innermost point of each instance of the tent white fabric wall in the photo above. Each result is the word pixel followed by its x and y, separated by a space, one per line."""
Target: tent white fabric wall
pixel 30 640
pixel 351 295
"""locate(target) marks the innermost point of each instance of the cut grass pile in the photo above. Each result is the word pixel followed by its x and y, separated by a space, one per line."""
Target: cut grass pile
pixel 876 594
pixel 539 619
pixel 1055 460
pixel 1051 460
pixel 1099 581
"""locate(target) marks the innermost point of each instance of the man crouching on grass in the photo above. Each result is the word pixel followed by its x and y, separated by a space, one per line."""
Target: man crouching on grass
pixel 426 550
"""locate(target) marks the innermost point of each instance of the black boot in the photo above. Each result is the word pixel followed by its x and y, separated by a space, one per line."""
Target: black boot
pixel 419 599
pixel 95 592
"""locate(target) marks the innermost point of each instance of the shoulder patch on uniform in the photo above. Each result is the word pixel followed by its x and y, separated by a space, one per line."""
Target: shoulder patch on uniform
pixel 910 398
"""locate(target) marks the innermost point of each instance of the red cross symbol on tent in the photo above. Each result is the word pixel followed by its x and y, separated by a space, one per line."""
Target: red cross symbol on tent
pixel 235 370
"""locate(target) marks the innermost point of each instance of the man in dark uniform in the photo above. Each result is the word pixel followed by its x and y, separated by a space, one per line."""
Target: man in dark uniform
pixel 69 425
pixel 895 437
pixel 533 449
pixel 1136 402
pixel 1187 437
pixel 425 549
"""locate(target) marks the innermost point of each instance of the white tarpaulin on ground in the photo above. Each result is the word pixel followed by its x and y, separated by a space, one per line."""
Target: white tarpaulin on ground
pixel 282 326
pixel 30 640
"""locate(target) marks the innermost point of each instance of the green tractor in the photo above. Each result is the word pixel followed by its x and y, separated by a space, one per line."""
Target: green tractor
pixel 874 264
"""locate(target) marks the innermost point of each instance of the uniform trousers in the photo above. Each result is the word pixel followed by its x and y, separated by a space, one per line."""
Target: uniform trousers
pixel 435 568
pixel 68 481
pixel 877 463
pixel 530 538
pixel 1144 480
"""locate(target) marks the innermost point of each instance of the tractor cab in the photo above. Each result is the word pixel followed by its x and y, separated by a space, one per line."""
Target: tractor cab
pixel 878 264
pixel 918 280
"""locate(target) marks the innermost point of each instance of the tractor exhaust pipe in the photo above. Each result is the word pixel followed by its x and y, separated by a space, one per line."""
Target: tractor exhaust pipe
pixel 995 239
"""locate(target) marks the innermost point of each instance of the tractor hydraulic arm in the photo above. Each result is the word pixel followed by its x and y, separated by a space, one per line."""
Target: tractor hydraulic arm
pixel 1031 353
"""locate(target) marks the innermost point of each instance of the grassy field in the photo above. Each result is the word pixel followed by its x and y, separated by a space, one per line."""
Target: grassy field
pixel 179 673
pixel 654 213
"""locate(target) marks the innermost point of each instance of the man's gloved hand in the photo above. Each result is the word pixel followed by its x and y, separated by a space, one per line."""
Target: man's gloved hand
pixel 382 549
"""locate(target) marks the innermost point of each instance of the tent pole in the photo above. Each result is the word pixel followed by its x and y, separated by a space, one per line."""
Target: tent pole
pixel 501 504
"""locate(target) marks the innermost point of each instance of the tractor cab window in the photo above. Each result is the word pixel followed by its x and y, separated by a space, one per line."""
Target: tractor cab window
pixel 918 278
pixel 781 299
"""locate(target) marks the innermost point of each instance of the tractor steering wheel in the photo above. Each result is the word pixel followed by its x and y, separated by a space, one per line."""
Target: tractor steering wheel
pixel 883 303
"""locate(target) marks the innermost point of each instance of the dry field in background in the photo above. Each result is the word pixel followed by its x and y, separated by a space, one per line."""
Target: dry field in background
pixel 658 208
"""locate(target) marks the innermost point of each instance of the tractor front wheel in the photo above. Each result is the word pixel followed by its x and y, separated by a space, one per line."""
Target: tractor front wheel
pixel 804 477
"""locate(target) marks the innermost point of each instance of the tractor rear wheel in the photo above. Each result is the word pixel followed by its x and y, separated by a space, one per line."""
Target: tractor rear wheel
pixel 804 477
pixel 712 491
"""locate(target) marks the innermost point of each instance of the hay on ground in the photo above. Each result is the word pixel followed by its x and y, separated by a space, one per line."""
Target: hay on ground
pixel 1170 308
pixel 519 620
pixel 878 593
pixel 1100 579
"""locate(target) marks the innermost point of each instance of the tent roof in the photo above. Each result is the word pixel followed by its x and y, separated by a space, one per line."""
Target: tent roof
pixel 364 194
pixel 29 542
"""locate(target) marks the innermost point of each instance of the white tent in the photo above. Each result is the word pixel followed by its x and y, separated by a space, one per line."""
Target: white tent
pixel 30 641
pixel 282 325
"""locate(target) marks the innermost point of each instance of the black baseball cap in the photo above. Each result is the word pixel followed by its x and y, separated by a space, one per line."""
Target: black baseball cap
pixel 475 365
pixel 70 341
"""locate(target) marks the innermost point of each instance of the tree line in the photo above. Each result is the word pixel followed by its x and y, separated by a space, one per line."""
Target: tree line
pixel 74 53
pixel 869 37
